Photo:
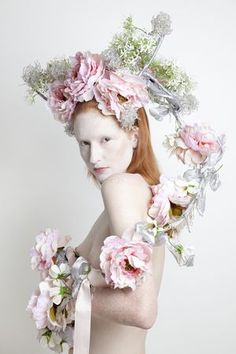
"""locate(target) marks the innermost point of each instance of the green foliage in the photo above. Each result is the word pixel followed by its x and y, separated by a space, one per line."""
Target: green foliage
pixel 171 76
pixel 133 47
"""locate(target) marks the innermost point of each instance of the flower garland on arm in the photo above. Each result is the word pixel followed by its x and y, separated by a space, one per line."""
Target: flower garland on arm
pixel 123 78
pixel 196 145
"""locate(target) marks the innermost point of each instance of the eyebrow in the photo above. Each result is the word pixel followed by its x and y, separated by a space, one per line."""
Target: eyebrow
pixel 102 136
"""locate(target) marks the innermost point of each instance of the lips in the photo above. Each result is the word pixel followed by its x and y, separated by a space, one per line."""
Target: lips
pixel 100 169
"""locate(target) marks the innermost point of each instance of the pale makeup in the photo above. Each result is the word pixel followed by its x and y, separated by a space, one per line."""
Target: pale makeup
pixel 103 143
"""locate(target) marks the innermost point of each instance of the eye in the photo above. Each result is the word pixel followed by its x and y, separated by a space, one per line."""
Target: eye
pixel 83 143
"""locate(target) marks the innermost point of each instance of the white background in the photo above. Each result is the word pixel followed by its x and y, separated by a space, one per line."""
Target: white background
pixel 43 180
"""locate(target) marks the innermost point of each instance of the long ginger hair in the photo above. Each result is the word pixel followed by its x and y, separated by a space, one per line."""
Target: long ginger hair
pixel 144 160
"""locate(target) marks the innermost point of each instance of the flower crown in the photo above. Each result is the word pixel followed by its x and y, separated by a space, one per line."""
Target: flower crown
pixel 123 78
pixel 120 79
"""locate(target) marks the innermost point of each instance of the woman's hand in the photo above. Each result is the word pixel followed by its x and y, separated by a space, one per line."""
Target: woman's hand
pixel 70 255
pixel 95 275
pixel 96 278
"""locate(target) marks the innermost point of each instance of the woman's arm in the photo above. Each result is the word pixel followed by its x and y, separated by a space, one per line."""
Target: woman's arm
pixel 125 200
pixel 133 308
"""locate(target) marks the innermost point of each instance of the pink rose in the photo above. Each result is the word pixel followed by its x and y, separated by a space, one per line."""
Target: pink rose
pixel 195 143
pixel 180 198
pixel 107 98
pixel 188 156
pixel 131 87
pixel 125 263
pixel 178 191
pixel 47 243
pixel 39 305
pixel 183 191
pixel 60 103
pixel 160 208
pixel 87 69
pixel 89 77
pixel 113 91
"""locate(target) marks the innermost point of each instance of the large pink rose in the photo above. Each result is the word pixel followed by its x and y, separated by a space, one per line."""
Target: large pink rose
pixel 47 243
pixel 112 92
pixel 60 103
pixel 87 69
pixel 195 143
pixel 125 263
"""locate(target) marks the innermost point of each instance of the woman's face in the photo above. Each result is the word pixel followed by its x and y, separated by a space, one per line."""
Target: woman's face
pixel 103 143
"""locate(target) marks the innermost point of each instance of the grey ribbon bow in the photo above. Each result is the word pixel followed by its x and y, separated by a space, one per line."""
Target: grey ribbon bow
pixel 79 272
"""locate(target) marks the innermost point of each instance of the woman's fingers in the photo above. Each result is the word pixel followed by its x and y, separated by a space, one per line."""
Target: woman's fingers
pixel 70 255
pixel 96 278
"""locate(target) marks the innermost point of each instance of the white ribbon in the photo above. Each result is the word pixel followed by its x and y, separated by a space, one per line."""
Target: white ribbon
pixel 81 289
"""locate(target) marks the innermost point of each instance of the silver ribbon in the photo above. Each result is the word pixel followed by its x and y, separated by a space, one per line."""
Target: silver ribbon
pixel 79 272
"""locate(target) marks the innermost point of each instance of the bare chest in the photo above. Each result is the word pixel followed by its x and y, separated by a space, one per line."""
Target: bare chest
pixel 90 249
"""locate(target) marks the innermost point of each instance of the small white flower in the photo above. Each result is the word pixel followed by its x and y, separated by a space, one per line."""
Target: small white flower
pixel 187 187
pixel 169 141
pixel 59 272
pixel 43 341
pixel 55 342
pixel 57 291
pixel 153 233
pixel 183 255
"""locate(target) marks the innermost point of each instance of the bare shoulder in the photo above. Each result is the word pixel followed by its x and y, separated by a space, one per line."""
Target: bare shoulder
pixel 126 182
pixel 126 197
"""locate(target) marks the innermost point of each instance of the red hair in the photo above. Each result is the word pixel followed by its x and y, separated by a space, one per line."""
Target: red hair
pixel 144 160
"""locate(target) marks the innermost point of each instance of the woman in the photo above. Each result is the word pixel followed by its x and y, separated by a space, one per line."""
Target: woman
pixel 101 98
pixel 120 317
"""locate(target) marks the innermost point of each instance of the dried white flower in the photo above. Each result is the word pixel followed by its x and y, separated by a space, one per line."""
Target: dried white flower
pixel 69 129
pixel 161 24
pixel 188 103
pixel 112 59
pixel 128 116
pixel 32 74
pixel 57 69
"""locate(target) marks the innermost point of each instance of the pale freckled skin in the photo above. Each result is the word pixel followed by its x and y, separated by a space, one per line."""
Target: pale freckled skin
pixel 120 318
pixel 103 143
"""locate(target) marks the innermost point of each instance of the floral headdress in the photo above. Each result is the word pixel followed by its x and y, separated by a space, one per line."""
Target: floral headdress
pixel 124 77
pixel 120 79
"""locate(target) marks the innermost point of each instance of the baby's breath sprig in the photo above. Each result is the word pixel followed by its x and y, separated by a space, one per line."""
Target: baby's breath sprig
pixel 132 46
pixel 172 77
pixel 39 79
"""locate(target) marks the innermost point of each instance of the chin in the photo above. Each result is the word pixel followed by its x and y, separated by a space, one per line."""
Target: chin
pixel 101 178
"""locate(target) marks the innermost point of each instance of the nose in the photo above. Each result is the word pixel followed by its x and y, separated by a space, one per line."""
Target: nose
pixel 95 154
